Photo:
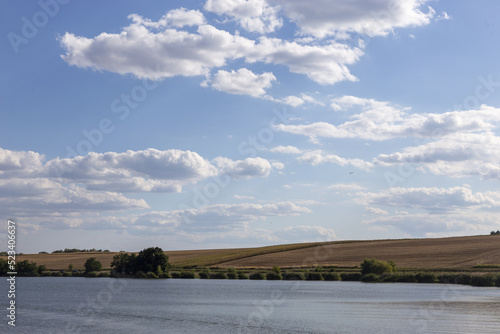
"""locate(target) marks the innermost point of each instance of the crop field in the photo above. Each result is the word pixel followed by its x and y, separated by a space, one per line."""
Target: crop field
pixel 438 253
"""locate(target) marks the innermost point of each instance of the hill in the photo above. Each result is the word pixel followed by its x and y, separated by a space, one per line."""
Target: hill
pixel 451 253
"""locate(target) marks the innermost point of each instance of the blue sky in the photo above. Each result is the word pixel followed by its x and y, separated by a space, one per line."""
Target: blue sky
pixel 212 124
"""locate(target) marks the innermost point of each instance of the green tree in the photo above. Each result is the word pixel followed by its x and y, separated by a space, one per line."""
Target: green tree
pixel 377 267
pixel 70 267
pixel 124 263
pixel 92 265
pixel 152 259
pixel 26 268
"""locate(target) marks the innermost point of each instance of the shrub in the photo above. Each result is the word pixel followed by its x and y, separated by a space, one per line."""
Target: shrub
pixel 165 275
pixel 204 274
pixel 318 269
pixel 485 280
pixel 66 274
pixel 231 273
pixel 426 278
pixel 176 274
pixel 294 276
pixel 378 267
pixel 104 274
pixel 140 274
pixel 242 275
pixel 46 273
pixel 370 278
pixel 218 275
pixel 151 274
pixel 314 276
pixel 277 269
pixel 188 274
pixel 350 276
pixel 331 276
pixel 89 274
pixel 257 276
pixel 406 278
pixel 273 276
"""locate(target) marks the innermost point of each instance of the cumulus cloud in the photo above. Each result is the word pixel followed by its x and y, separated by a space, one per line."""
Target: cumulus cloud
pixel 219 216
pixel 241 82
pixel 146 53
pixel 252 15
pixel 434 211
pixel 243 169
pixel 154 50
pixel 41 197
pixel 175 18
pixel 382 121
pixel 286 149
pixel 338 18
pixel 146 170
pixel 376 211
pixel 318 157
pixel 458 155
pixel 432 199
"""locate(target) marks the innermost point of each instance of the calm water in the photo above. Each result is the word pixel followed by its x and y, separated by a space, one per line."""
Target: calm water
pixel 103 305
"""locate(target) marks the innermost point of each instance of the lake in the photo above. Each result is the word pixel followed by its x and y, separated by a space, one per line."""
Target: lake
pixel 104 305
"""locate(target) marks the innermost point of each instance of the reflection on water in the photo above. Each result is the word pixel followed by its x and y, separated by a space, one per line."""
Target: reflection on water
pixel 103 305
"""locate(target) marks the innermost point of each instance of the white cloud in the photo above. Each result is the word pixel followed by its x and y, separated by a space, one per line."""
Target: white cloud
pixel 252 15
pixel 286 149
pixel 382 121
pixel 242 82
pixel 322 18
pixel 458 155
pixel 146 52
pixel 175 18
pixel 376 211
pixel 243 197
pixel 318 157
pixel 243 169
pixel 436 211
pixel 432 199
pixel 146 170
pixel 218 217
pixel 42 197
pixel 324 64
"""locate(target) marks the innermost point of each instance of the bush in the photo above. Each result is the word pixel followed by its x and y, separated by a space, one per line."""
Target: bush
pixel 242 275
pixel 426 278
pixel 377 267
pixel 350 276
pixel 370 278
pixel 66 274
pixel 176 274
pixel 331 276
pixel 188 274
pixel 218 275
pixel 140 274
pixel 257 276
pixel 406 278
pixel 104 274
pixel 151 274
pixel 46 274
pixel 204 274
pixel 231 273
pixel 89 274
pixel 485 280
pixel 273 276
pixel 294 276
pixel 314 276
pixel 165 275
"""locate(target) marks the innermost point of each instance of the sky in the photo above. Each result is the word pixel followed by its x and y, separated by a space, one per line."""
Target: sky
pixel 221 124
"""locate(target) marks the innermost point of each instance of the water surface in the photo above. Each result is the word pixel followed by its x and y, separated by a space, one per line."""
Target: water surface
pixel 104 305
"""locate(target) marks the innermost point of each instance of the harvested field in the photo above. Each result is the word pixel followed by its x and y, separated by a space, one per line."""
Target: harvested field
pixel 458 252
pixel 446 253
